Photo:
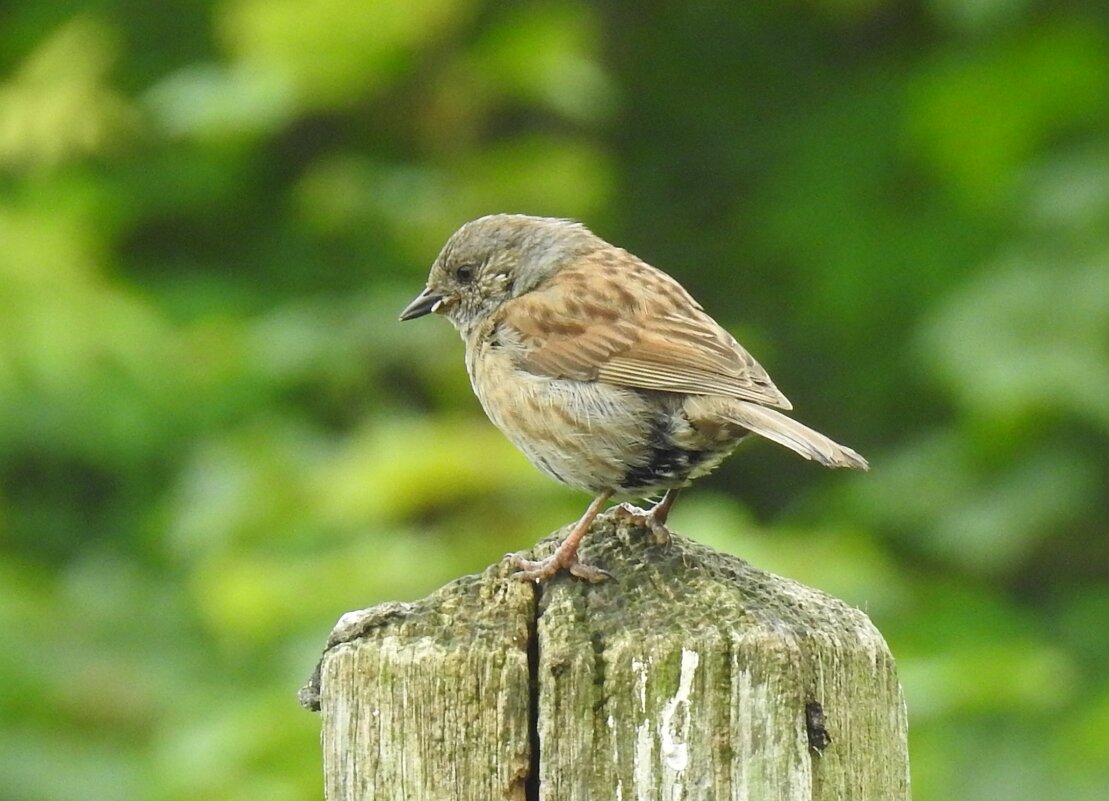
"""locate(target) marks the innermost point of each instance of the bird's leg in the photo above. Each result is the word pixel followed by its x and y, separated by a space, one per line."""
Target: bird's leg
pixel 661 510
pixel 654 518
pixel 566 554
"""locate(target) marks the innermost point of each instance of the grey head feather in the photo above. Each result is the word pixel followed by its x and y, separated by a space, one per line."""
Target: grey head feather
pixel 532 249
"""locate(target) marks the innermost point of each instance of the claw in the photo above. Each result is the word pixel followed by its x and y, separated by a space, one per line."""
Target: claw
pixel 590 573
pixel 543 569
pixel 566 554
pixel 641 518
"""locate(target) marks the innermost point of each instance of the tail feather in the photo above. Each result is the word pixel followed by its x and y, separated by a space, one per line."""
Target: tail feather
pixel 785 431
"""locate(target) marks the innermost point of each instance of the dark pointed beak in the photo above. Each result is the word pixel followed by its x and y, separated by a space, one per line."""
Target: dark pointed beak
pixel 424 303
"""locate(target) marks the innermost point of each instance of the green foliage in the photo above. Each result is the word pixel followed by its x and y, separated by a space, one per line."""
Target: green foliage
pixel 215 437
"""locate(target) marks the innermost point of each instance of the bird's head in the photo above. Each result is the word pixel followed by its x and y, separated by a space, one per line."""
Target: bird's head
pixel 493 259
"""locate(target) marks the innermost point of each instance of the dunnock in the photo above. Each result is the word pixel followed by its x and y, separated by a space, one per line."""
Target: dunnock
pixel 602 369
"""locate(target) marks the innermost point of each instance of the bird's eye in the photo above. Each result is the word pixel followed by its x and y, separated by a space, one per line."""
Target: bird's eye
pixel 465 273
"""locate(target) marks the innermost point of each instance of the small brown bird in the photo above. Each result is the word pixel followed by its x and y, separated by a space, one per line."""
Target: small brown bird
pixel 602 369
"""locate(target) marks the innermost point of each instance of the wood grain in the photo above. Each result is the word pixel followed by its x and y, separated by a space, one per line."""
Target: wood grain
pixel 691 675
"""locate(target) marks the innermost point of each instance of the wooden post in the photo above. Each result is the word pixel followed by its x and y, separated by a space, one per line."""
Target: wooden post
pixel 691 675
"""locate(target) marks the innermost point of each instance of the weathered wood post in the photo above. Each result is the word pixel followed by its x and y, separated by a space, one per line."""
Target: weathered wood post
pixel 691 675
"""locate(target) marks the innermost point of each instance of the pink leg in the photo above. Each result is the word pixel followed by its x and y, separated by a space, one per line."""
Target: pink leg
pixel 654 518
pixel 566 554
pixel 661 511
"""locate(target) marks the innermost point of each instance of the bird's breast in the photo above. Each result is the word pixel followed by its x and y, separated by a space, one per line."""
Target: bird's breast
pixel 588 434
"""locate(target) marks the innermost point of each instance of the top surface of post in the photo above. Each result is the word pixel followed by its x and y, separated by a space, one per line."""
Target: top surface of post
pixel 685 586
pixel 690 674
pixel 693 674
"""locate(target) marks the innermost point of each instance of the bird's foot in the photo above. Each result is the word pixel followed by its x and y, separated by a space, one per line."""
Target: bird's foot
pixel 565 556
pixel 542 569
pixel 643 518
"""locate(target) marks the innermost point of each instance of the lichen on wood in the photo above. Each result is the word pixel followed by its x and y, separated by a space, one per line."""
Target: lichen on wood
pixel 421 699
pixel 690 675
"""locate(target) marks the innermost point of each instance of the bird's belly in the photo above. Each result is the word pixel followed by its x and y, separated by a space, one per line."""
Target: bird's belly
pixel 594 436
pixel 583 434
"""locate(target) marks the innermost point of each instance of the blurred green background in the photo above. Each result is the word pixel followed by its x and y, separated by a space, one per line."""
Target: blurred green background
pixel 215 437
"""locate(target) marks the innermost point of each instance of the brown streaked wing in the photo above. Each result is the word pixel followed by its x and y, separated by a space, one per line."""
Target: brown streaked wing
pixel 633 336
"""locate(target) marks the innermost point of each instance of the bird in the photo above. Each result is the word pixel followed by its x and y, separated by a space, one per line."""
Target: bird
pixel 603 370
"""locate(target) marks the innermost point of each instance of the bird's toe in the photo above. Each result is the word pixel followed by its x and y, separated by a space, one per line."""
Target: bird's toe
pixel 643 518
pixel 542 570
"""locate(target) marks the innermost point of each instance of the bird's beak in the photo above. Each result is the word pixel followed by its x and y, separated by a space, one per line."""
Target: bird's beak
pixel 426 302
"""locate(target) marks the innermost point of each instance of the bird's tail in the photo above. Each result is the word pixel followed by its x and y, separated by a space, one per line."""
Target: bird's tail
pixel 811 444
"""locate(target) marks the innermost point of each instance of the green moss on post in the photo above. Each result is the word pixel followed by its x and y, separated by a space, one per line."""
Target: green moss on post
pixel 421 699
pixel 692 675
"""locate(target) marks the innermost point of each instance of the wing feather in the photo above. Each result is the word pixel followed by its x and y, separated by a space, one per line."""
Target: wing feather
pixel 618 320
